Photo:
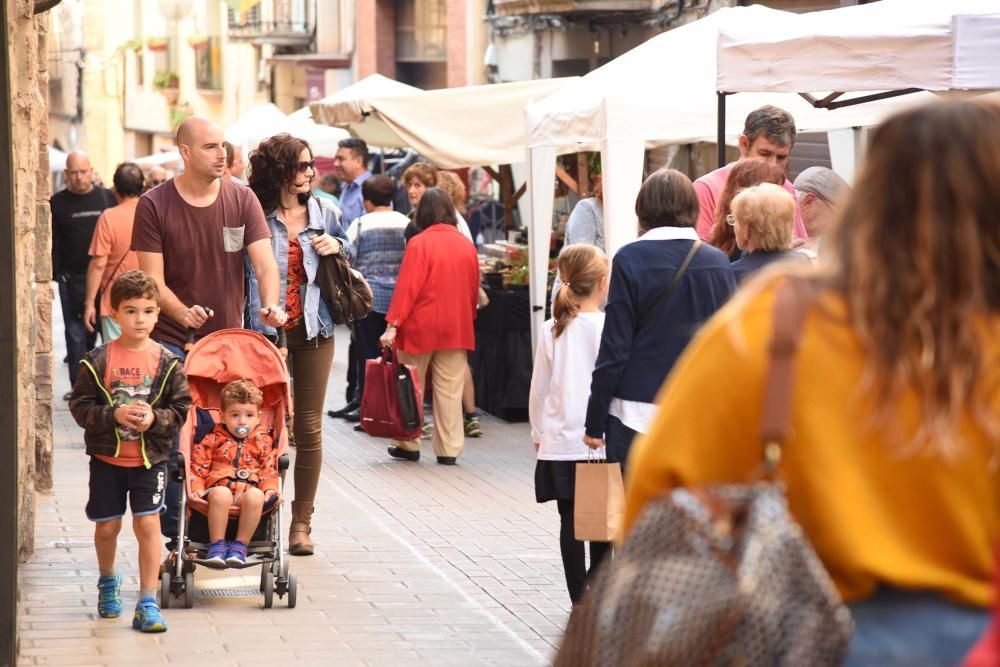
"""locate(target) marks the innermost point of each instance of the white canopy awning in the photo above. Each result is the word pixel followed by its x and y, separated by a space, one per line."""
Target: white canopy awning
pixel 888 45
pixel 266 120
pixel 661 92
pixel 452 127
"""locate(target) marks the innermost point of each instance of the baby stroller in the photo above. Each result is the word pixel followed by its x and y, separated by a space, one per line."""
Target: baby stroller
pixel 214 361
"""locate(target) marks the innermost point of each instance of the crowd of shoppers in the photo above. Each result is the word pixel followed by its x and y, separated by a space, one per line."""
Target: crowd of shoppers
pixel 895 411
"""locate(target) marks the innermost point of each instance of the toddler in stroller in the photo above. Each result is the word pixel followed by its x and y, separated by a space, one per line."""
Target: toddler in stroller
pixel 235 466
pixel 232 461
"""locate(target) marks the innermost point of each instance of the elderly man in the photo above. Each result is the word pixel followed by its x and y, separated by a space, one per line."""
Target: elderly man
pixel 191 234
pixel 156 176
pixel 75 211
pixel 350 165
pixel 768 135
pixel 820 193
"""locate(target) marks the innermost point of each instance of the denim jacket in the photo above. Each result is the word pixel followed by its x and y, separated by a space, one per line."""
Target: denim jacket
pixel 324 218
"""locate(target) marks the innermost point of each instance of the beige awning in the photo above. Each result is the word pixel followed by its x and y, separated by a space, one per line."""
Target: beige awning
pixel 452 127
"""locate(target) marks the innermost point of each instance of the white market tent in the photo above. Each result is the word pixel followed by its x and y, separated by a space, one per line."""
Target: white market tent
pixel 346 107
pixel 892 45
pixel 661 92
pixel 267 120
pixel 451 127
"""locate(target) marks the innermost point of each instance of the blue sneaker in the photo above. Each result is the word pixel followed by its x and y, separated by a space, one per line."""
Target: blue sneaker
pixel 109 596
pixel 217 552
pixel 237 554
pixel 147 617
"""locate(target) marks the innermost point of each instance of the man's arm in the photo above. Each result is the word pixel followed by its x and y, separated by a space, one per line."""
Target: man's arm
pixel 95 271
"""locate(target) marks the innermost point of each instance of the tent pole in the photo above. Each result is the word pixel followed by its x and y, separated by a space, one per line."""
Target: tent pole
pixel 721 136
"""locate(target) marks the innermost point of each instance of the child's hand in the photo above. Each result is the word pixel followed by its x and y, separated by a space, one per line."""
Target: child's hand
pixel 593 443
pixel 144 416
pixel 536 447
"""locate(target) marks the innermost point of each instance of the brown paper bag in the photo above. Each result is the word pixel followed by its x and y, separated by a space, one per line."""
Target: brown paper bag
pixel 599 501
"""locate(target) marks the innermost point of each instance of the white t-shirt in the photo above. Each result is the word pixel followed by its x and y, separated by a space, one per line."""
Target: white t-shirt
pixel 560 387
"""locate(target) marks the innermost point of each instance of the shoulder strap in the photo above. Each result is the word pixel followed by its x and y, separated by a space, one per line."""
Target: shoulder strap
pixel 790 308
pixel 104 285
pixel 673 283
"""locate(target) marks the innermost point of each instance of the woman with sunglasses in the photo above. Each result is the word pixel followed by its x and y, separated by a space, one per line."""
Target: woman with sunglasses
pixel 303 228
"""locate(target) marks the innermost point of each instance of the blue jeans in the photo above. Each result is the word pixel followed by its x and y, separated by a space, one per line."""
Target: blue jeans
pixel 72 290
pixel 171 512
pixel 896 628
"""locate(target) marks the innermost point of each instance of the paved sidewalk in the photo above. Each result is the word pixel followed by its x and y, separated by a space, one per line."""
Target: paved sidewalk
pixel 416 564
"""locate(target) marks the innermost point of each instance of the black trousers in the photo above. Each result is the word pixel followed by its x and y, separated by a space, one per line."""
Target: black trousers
pixel 72 290
pixel 573 556
pixel 366 342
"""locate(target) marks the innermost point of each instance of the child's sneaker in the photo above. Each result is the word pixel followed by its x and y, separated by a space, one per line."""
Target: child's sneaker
pixel 217 552
pixel 237 554
pixel 109 598
pixel 472 427
pixel 147 617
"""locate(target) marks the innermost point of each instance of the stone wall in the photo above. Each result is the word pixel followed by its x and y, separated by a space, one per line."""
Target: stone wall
pixel 29 85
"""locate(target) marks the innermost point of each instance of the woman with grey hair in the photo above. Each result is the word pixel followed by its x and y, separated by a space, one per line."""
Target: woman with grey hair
pixel 763 216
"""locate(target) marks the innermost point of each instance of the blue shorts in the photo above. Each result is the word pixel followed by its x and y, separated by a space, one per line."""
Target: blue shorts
pixel 111 485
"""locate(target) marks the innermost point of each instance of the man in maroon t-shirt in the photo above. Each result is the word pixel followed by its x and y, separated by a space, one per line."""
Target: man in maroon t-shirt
pixel 190 234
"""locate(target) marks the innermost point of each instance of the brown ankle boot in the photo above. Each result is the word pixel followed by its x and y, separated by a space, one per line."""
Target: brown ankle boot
pixel 299 543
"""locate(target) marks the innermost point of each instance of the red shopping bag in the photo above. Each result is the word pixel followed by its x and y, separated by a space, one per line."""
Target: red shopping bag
pixel 392 403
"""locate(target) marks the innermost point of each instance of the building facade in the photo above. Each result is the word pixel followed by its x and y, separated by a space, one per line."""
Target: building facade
pixel 119 94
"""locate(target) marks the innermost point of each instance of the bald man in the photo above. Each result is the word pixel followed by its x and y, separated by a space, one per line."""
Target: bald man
pixel 191 234
pixel 75 211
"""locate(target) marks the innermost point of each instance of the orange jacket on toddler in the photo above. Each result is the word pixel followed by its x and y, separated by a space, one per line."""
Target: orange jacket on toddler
pixel 219 459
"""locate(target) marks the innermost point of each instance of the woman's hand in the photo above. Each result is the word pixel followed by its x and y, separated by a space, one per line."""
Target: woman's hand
pixel 593 443
pixel 273 316
pixel 389 337
pixel 324 245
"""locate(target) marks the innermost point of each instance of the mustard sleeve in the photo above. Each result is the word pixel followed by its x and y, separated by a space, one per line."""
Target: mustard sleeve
pixel 706 428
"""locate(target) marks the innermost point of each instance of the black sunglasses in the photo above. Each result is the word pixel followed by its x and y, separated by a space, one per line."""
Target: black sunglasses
pixel 302 166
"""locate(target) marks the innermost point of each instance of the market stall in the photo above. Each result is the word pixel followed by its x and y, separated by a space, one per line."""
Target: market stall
pixel 454 128
pixel 864 53
pixel 661 92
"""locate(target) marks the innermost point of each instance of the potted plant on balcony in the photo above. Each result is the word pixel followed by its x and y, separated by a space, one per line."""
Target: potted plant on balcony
pixel 156 43
pixel 198 41
pixel 166 82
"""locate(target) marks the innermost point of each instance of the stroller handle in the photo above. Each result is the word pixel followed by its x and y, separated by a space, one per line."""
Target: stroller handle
pixel 189 332
pixel 282 342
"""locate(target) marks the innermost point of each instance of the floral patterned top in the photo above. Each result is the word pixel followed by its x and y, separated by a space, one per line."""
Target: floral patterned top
pixel 297 280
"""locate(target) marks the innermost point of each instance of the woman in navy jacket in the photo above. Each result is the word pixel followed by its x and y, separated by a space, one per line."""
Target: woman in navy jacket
pixel 643 334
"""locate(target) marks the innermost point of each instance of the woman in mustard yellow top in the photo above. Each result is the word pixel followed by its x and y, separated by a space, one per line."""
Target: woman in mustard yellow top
pixel 892 467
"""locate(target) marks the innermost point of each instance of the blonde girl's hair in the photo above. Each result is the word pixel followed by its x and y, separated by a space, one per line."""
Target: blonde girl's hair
pixel 581 268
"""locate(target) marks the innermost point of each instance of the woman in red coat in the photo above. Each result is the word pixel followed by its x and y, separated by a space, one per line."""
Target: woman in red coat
pixel 430 319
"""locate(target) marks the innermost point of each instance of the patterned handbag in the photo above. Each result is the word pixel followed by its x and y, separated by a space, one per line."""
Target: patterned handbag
pixel 719 575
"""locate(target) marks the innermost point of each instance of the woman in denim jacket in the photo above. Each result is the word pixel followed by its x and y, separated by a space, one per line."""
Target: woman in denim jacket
pixel 302 229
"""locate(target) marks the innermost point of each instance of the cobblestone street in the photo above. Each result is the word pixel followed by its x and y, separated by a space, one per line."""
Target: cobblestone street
pixel 416 564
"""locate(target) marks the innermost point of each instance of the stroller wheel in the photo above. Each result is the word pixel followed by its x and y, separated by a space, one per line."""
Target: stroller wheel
pixel 292 591
pixel 188 590
pixel 268 581
pixel 165 590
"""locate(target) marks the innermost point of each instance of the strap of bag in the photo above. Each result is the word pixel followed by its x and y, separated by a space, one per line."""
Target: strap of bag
pixel 790 308
pixel 121 261
pixel 673 283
